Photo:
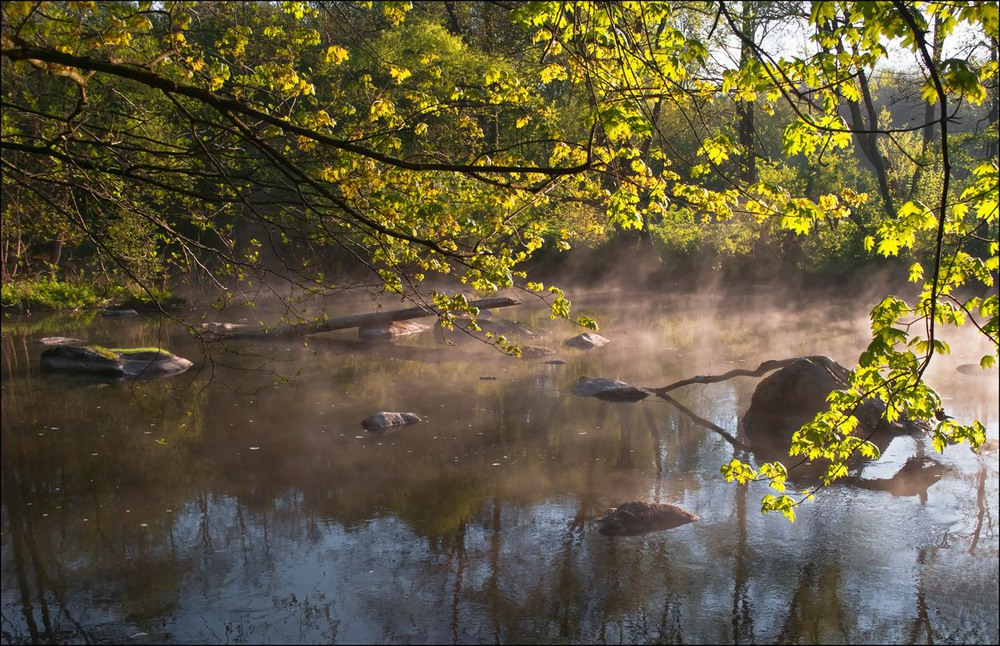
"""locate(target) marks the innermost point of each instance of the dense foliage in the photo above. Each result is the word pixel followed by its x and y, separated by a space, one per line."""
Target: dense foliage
pixel 246 143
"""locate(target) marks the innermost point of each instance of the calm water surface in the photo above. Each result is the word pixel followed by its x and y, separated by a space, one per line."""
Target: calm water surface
pixel 242 502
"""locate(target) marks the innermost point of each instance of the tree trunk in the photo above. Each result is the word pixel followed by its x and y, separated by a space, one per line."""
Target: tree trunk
pixel 929 119
pixel 745 109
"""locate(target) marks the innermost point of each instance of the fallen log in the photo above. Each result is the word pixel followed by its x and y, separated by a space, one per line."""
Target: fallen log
pixel 346 322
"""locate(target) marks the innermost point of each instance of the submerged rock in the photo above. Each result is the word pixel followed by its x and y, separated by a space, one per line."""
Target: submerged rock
pixel 113 312
pixel 610 390
pixel 390 331
pixel 536 351
pixel 587 341
pixel 505 327
pixel 223 327
pixel 637 517
pixel 384 421
pixel 976 370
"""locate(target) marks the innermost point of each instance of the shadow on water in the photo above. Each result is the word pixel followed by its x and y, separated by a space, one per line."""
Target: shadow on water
pixel 242 502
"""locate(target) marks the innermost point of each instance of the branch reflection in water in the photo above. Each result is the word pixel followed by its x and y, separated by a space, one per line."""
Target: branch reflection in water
pixel 230 506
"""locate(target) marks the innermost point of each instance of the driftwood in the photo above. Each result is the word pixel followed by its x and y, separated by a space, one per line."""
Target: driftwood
pixel 358 320
pixel 767 366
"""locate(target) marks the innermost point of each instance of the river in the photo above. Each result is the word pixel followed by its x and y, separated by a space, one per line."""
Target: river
pixel 242 502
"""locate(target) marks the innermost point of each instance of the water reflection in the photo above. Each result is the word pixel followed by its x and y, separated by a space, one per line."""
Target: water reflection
pixel 227 506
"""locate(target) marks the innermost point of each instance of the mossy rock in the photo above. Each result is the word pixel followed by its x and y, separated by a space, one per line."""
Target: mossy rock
pixel 112 363
pixel 71 359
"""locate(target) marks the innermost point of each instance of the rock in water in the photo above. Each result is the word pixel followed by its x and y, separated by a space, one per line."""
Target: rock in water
pixel 790 397
pixel 610 390
pixel 59 340
pixel 385 421
pixel 112 363
pixel 112 312
pixel 535 351
pixel 586 341
pixel 153 363
pixel 976 370
pixel 637 517
pixel 82 361
pixel 390 331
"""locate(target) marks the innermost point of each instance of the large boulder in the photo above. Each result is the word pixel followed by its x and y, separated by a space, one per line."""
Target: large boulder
pixel 100 362
pixel 791 397
pixel 639 517
pixel 71 359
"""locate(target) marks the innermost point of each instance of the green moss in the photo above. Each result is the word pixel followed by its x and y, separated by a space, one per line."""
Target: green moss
pixel 104 352
pixel 114 353
pixel 126 352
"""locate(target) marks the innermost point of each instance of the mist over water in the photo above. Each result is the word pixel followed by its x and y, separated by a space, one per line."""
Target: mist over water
pixel 242 502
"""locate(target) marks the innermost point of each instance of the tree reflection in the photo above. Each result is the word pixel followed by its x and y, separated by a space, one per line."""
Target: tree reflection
pixel 815 613
pixel 275 517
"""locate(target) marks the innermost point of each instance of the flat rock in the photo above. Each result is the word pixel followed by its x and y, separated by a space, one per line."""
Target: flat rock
pixel 58 340
pixel 637 517
pixel 111 312
pixel 153 363
pixel 384 421
pixel 610 390
pixel 587 341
